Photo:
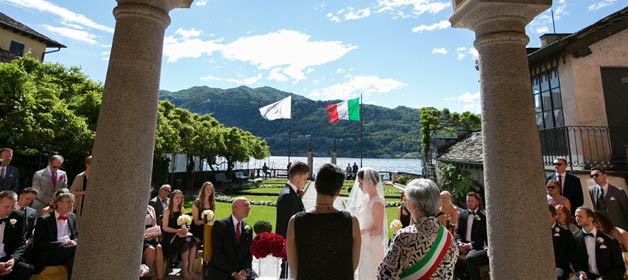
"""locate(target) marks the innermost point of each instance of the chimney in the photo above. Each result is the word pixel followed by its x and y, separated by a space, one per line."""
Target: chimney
pixel 549 38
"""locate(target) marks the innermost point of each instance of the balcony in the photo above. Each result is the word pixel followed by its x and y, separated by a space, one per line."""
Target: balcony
pixel 585 147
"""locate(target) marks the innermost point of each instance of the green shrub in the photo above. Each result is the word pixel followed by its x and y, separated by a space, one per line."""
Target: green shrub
pixel 262 226
pixel 457 182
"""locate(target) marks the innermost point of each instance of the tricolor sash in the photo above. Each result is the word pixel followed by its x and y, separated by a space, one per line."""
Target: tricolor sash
pixel 426 266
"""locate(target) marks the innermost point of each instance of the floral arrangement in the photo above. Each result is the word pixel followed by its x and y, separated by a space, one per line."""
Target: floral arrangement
pixel 184 220
pixel 267 243
pixel 395 226
pixel 208 216
pixel 600 240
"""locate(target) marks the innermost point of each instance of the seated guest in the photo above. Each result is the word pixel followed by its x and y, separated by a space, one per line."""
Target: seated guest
pixel 204 201
pixel 471 237
pixel 56 236
pixel 12 265
pixel 231 242
pixel 604 224
pixel 416 251
pixel 160 202
pixel 450 210
pixel 153 254
pixel 553 195
pixel 597 254
pixel 324 231
pixel 79 188
pixel 51 205
pixel 176 238
pixel 26 197
pixel 403 215
pixel 564 218
pixel 563 246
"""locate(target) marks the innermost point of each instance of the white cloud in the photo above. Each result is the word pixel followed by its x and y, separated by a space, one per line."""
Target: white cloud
pixel 543 22
pixel 175 49
pixel 292 50
pixel 65 14
pixel 439 25
pixel 368 85
pixel 470 101
pixel 243 81
pixel 439 51
pixel 408 8
pixel 74 34
pixel 541 30
pixel 462 52
pixel 460 56
pixel 275 75
pixel 188 33
pixel 358 14
pixel 474 53
pixel 600 5
pixel 333 17
pixel 105 55
pixel 200 2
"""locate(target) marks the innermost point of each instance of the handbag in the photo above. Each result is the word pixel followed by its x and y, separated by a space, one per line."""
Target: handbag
pixel 152 233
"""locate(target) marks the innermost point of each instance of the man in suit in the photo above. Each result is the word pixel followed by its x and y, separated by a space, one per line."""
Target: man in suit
pixel 49 180
pixel 9 175
pixel 56 236
pixel 160 202
pixel 563 246
pixel 12 264
pixel 597 255
pixel 471 237
pixel 611 200
pixel 26 197
pixel 570 186
pixel 231 241
pixel 289 202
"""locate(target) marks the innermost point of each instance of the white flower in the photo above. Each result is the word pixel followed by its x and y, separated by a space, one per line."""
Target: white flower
pixel 208 214
pixel 395 226
pixel 184 219
pixel 12 221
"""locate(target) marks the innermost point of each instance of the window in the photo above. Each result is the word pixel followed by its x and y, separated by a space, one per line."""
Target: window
pixel 548 104
pixel 16 48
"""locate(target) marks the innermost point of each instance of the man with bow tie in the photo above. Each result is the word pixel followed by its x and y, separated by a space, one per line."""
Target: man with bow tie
pixel 9 175
pixel 47 181
pixel 472 238
pixel 611 200
pixel 564 245
pixel 597 254
pixel 56 236
pixel 12 245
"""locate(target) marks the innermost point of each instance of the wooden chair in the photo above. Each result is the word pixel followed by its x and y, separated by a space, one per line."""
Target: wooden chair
pixel 54 272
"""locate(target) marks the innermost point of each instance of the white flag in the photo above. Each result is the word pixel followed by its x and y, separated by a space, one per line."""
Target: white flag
pixel 281 109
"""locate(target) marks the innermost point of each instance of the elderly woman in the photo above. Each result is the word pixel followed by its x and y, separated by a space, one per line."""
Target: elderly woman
pixel 408 256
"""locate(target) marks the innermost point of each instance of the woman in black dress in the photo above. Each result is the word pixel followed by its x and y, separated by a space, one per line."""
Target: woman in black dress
pixel 403 214
pixel 323 237
pixel 176 238
pixel 204 201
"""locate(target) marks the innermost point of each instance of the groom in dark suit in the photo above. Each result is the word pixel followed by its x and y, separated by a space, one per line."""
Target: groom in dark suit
pixel 570 186
pixel 12 264
pixel 56 236
pixel 9 175
pixel 289 202
pixel 608 263
pixel 231 242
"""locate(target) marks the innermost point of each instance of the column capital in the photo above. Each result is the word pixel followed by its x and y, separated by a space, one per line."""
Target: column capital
pixel 165 5
pixel 489 16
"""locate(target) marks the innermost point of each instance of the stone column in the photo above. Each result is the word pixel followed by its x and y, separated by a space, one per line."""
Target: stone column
pixel 520 244
pixel 112 225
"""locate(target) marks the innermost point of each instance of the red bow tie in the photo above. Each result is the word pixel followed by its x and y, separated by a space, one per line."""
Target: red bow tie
pixel 63 217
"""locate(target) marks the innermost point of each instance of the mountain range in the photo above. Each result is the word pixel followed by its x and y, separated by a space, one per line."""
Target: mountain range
pixel 387 133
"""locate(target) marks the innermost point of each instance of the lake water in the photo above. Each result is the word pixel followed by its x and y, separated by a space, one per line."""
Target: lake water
pixel 380 164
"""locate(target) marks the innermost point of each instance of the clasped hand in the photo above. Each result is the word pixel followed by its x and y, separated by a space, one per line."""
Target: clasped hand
pixel 182 232
pixel 241 275
pixel 6 267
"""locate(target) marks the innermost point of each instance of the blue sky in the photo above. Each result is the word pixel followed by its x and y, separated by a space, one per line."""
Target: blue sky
pixel 395 52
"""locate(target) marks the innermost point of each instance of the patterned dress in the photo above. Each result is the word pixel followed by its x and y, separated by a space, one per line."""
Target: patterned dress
pixel 411 244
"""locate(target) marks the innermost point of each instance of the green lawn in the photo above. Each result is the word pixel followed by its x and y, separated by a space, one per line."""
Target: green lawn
pixel 263 190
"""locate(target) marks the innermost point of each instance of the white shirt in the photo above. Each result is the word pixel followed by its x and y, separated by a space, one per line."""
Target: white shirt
pixel 294 188
pixel 589 241
pixel 2 253
pixel 63 229
pixel 470 226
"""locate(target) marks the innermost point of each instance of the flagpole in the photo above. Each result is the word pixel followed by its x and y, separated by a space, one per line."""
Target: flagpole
pixel 361 139
pixel 290 129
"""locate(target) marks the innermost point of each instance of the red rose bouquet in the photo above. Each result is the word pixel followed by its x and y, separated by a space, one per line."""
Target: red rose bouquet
pixel 267 243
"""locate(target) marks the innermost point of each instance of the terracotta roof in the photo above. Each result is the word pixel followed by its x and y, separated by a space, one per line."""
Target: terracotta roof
pixel 6 56
pixel 468 150
pixel 577 44
pixel 7 22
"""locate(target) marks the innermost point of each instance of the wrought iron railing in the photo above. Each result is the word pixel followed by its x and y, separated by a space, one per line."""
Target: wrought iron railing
pixel 586 146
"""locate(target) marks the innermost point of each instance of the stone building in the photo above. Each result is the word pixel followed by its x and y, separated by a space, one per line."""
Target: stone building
pixel 17 39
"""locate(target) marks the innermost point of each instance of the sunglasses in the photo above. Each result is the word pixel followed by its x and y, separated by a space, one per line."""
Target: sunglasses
pixel 558 163
pixel 550 187
pixel 594 175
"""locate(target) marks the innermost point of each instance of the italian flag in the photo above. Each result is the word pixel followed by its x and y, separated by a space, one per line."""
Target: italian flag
pixel 346 110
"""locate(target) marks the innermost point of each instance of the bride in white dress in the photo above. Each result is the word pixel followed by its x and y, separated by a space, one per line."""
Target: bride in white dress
pixel 366 201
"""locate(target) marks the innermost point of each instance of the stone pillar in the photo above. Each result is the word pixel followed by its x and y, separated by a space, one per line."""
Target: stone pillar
pixel 333 151
pixel 112 225
pixel 520 244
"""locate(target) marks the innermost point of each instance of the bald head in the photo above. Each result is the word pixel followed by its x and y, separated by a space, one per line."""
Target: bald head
pixel 240 208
